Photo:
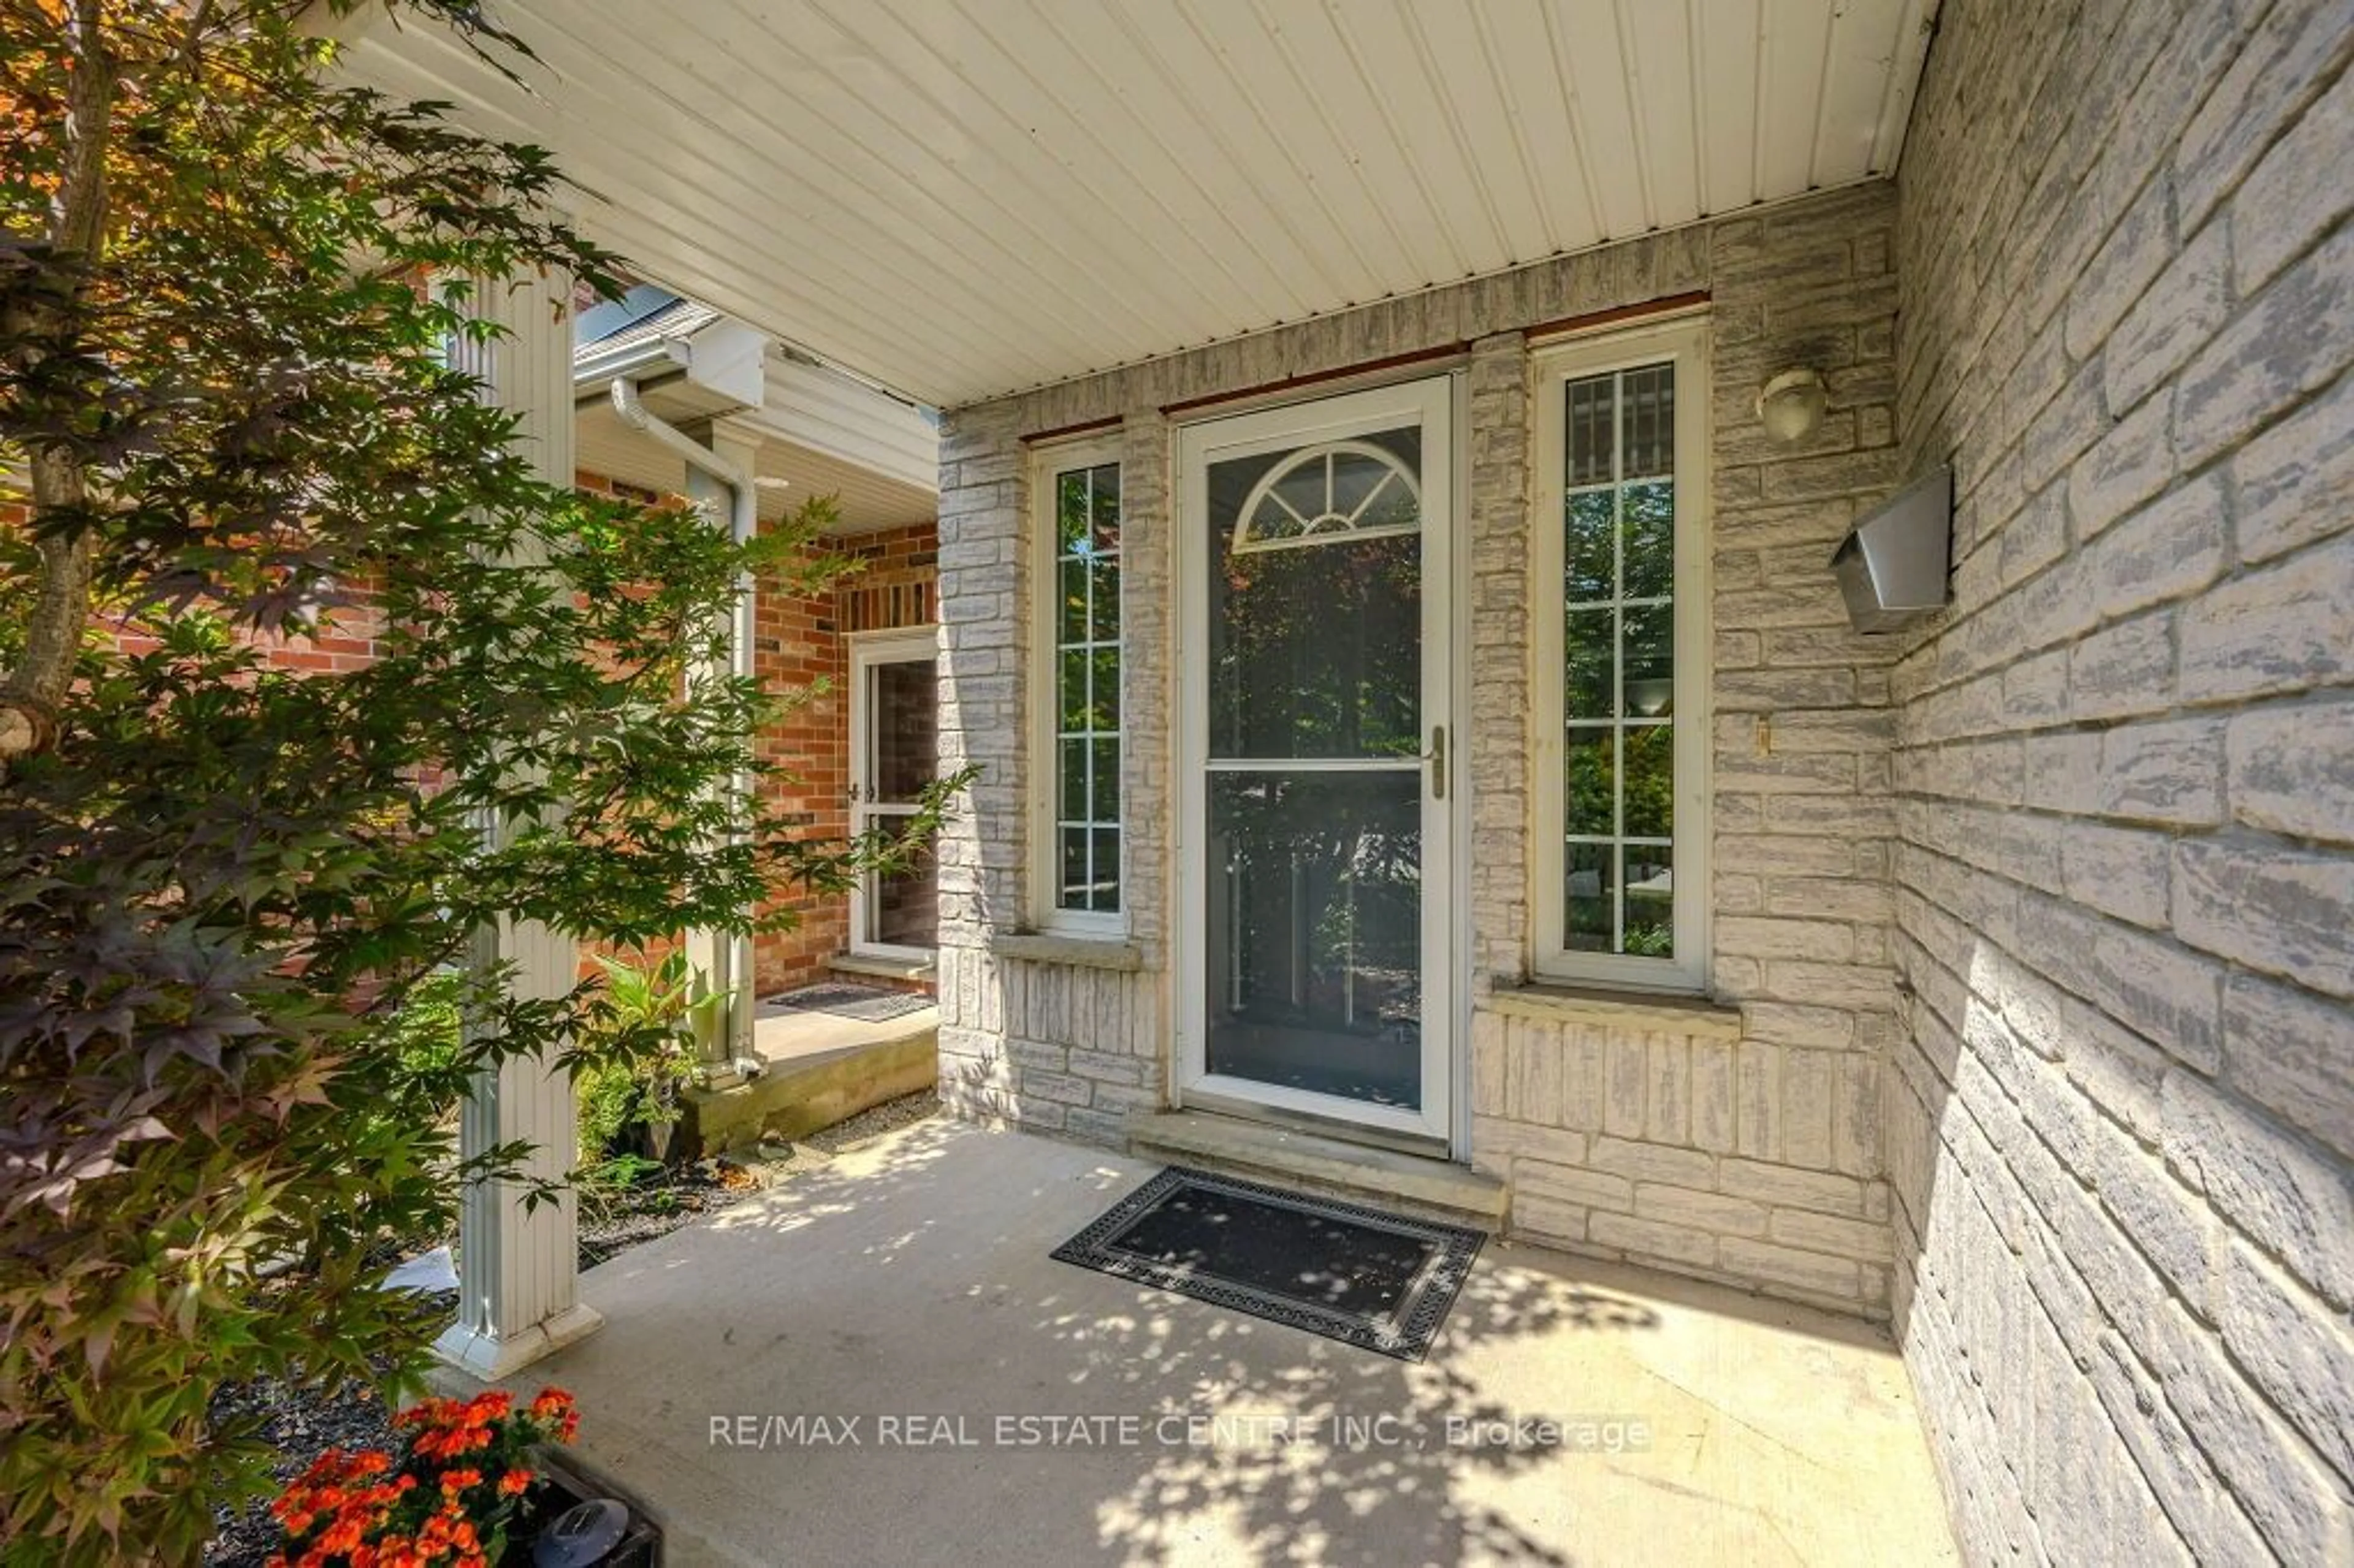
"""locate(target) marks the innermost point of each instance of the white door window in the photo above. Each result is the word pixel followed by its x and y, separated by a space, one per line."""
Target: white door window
pixel 1315 556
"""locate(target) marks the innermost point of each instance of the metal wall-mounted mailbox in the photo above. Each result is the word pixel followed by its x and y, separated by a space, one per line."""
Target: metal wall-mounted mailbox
pixel 1892 567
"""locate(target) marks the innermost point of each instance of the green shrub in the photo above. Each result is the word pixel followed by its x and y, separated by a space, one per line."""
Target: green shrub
pixel 640 1038
pixel 424 1033
pixel 609 1094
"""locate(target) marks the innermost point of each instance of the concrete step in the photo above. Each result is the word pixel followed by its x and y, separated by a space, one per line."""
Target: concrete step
pixel 859 966
pixel 1285 1157
pixel 816 1070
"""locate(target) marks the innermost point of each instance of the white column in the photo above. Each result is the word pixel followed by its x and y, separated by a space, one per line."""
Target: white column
pixel 518 1269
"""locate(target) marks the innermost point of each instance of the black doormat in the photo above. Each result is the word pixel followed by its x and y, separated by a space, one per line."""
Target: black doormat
pixel 1377 1281
pixel 870 1003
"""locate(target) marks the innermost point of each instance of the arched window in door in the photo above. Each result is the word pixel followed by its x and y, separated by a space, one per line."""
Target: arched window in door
pixel 1336 490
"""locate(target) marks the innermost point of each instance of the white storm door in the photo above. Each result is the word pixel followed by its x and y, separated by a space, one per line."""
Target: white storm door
pixel 1315 941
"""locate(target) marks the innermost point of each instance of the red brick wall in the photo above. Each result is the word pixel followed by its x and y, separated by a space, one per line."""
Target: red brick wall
pixel 800 642
pixel 347 640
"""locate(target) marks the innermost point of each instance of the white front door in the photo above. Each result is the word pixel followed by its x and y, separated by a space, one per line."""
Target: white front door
pixel 894 734
pixel 1315 943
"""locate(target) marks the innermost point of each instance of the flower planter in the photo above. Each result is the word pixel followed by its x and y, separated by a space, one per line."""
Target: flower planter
pixel 560 1486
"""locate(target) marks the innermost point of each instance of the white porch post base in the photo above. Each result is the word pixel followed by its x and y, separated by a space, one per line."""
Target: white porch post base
pixel 491 1357
pixel 518 1264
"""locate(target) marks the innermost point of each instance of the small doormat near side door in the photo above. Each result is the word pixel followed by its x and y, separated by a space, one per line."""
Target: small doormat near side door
pixel 869 1003
pixel 1377 1281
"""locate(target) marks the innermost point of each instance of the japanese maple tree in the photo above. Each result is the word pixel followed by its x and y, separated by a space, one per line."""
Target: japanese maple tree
pixel 228 283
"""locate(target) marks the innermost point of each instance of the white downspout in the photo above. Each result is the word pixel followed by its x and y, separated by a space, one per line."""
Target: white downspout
pixel 731 960
pixel 744 517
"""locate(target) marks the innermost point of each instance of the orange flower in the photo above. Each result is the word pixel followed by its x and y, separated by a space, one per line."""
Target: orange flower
pixel 341 1508
pixel 450 1442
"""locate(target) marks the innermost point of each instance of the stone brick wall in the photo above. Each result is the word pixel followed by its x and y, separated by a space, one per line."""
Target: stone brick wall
pixel 1047 1042
pixel 2122 1117
pixel 1744 1146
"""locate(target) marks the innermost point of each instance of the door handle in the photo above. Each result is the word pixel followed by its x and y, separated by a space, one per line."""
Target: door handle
pixel 1437 757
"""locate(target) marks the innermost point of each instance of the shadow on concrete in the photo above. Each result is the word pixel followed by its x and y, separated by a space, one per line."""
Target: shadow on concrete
pixel 878 1362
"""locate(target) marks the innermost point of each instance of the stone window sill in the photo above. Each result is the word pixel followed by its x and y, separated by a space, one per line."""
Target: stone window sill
pixel 1079 952
pixel 1696 1017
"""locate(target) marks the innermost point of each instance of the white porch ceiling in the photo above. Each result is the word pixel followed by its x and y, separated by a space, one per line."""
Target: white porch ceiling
pixel 960 198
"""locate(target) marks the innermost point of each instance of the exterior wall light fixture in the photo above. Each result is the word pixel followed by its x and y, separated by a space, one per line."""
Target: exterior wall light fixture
pixel 1791 406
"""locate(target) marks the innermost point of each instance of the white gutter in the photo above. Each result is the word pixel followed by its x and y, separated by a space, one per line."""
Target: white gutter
pixel 622 354
pixel 731 959
pixel 598 363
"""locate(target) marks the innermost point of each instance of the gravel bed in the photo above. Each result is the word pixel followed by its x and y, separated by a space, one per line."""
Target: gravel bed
pixel 876 1120
pixel 302 1423
pixel 609 1226
pixel 820 1148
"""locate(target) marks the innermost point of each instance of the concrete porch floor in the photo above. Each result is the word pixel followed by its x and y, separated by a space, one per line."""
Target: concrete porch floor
pixel 910 1279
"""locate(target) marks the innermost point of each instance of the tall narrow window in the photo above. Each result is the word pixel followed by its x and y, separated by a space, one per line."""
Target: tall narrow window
pixel 1622 753
pixel 1080 863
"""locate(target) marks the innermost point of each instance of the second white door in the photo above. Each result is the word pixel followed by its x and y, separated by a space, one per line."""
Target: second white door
pixel 894 735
